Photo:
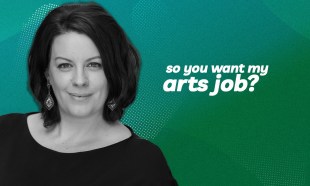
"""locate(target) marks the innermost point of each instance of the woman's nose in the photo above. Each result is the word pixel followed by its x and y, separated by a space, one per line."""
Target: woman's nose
pixel 80 78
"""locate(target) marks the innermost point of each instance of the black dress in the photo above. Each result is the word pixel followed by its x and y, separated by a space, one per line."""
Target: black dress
pixel 23 161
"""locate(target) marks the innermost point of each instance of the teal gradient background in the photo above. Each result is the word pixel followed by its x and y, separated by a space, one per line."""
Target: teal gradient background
pixel 242 139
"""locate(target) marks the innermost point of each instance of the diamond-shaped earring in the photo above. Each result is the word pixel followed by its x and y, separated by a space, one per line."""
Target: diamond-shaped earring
pixel 49 101
pixel 112 105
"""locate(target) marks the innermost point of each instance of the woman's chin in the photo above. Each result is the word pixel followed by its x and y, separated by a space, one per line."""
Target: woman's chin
pixel 81 112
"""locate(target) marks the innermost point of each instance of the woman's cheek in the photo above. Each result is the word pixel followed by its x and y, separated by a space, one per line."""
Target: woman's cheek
pixel 61 81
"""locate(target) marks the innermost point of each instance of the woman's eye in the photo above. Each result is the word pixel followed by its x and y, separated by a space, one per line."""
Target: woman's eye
pixel 64 66
pixel 94 65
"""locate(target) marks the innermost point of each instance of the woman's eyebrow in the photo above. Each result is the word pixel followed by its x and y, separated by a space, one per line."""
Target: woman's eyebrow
pixel 89 59
pixel 62 59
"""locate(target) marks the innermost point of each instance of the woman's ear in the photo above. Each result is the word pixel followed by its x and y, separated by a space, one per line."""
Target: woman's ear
pixel 47 76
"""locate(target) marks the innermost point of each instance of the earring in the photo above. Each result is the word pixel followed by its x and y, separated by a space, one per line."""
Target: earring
pixel 49 101
pixel 112 105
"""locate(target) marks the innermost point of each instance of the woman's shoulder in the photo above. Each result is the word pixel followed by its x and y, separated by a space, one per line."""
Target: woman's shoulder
pixel 10 120
pixel 143 146
pixel 12 125
pixel 148 159
pixel 147 154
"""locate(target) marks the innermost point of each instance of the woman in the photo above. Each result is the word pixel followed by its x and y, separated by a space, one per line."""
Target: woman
pixel 83 72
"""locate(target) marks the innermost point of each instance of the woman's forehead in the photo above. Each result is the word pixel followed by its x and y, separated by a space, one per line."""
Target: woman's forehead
pixel 73 45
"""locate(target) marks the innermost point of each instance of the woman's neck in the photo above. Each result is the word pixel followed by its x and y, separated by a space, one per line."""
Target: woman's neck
pixel 73 128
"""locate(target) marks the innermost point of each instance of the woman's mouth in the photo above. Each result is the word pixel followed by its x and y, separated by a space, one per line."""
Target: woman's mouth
pixel 79 97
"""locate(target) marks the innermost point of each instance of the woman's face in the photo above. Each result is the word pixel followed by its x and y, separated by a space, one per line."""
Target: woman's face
pixel 76 75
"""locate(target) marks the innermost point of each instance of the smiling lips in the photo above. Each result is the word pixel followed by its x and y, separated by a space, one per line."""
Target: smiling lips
pixel 79 97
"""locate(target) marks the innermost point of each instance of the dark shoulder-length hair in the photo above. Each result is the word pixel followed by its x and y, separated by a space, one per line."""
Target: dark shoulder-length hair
pixel 121 63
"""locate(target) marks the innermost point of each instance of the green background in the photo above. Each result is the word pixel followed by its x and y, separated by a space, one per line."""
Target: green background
pixel 248 138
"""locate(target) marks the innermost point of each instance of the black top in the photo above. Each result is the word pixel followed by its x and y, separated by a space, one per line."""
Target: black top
pixel 23 161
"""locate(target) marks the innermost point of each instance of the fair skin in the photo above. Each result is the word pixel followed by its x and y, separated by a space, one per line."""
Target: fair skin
pixel 81 88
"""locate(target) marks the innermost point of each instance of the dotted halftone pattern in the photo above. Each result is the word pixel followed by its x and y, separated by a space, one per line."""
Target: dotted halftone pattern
pixel 23 46
pixel 148 115
pixel 29 29
pixel 153 107
pixel 147 19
